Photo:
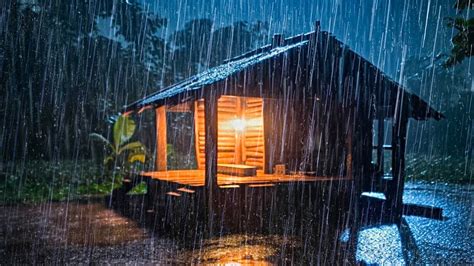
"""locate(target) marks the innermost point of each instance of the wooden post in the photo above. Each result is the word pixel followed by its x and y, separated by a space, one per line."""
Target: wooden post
pixel 380 143
pixel 239 136
pixel 211 126
pixel 381 114
pixel 399 131
pixel 161 142
pixel 360 131
pixel 196 135
pixel 269 132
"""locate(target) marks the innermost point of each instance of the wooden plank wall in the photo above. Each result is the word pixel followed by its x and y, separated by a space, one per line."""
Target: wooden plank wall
pixel 254 144
pixel 227 149
pixel 233 147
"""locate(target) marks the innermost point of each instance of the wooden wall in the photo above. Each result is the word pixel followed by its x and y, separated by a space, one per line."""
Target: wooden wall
pixel 199 133
pixel 234 147
pixel 254 143
pixel 309 136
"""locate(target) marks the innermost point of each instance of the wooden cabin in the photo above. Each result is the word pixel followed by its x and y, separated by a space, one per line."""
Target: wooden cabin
pixel 299 113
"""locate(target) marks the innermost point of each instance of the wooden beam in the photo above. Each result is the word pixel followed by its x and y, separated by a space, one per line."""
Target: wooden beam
pixel 399 131
pixel 239 138
pixel 161 141
pixel 423 211
pixel 268 131
pixel 380 144
pixel 196 135
pixel 211 127
pixel 360 160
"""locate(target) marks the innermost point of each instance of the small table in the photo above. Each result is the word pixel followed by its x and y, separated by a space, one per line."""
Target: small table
pixel 237 169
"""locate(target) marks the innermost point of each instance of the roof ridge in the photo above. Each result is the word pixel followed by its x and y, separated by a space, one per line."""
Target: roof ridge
pixel 268 47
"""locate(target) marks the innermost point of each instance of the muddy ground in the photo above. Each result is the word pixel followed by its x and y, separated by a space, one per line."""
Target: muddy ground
pixel 90 233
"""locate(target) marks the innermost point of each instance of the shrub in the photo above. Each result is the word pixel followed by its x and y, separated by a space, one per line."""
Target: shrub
pixel 35 181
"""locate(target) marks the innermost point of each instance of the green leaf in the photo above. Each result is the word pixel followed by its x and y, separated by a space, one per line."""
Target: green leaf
pixel 131 146
pixel 139 189
pixel 140 157
pixel 98 137
pixel 124 128
pixel 108 159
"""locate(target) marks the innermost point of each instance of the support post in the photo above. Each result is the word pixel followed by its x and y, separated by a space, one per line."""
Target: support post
pixel 380 144
pixel 200 165
pixel 362 148
pixel 211 128
pixel 270 130
pixel 240 135
pixel 399 131
pixel 161 141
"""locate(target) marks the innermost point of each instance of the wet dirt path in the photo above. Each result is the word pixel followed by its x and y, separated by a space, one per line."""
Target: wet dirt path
pixel 90 233
pixel 75 232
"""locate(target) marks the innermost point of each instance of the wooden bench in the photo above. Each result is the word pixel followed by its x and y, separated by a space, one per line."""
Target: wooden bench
pixel 237 169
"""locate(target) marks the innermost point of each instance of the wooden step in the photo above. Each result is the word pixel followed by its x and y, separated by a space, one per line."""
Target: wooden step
pixel 185 190
pixel 174 194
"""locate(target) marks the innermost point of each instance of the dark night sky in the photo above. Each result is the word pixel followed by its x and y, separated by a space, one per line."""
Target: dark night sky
pixel 385 32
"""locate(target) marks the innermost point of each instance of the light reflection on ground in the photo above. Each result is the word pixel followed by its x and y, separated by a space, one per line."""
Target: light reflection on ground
pixel 380 245
pixel 240 249
pixel 90 233
pixel 450 241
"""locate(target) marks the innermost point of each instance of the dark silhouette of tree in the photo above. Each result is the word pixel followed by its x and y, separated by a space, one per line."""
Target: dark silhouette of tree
pixel 448 90
pixel 61 78
pixel 190 48
pixel 463 40
pixel 62 74
pixel 200 45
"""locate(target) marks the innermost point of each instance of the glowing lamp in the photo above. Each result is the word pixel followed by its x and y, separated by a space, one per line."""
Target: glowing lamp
pixel 238 124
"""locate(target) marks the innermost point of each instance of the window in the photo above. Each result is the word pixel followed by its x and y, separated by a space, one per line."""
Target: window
pixel 382 146
pixel 180 138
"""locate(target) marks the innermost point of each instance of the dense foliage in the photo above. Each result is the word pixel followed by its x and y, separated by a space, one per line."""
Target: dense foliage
pixel 121 151
pixel 67 66
pixel 454 98
pixel 463 40
pixel 36 181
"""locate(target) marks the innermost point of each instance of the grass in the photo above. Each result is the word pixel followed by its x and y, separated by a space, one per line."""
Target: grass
pixel 38 181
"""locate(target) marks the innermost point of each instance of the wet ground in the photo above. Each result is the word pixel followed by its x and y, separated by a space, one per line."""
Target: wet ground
pixel 91 233
pixel 450 241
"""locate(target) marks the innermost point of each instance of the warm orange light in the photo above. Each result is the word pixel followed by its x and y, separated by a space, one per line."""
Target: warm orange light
pixel 238 124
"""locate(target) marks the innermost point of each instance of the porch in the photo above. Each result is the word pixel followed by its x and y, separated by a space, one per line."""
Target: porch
pixel 196 178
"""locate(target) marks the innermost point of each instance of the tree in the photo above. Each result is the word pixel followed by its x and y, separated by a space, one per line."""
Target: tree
pixel 120 147
pixel 200 45
pixel 463 41
pixel 448 91
pixel 61 77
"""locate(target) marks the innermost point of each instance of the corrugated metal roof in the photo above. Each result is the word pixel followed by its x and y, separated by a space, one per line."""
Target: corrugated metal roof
pixel 214 75
pixel 420 109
